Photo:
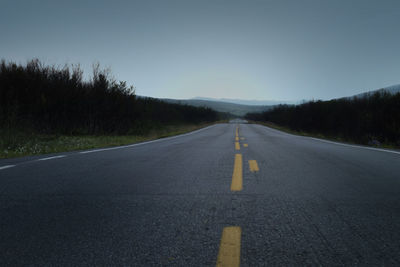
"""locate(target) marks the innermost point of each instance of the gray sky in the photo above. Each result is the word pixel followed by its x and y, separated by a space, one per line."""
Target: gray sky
pixel 282 50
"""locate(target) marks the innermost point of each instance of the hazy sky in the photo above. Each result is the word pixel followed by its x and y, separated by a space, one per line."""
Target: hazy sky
pixel 282 50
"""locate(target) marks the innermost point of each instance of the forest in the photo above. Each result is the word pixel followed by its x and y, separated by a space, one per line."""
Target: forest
pixel 371 119
pixel 57 100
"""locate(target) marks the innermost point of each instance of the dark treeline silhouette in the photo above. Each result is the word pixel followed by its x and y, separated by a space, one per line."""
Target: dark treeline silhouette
pixel 362 120
pixel 50 99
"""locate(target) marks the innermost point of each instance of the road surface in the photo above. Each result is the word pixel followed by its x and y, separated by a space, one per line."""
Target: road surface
pixel 227 194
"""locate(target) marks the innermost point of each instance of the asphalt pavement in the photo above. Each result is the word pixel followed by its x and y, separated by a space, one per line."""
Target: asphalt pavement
pixel 226 194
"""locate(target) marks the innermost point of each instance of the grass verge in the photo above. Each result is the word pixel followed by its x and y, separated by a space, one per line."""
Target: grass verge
pixel 18 143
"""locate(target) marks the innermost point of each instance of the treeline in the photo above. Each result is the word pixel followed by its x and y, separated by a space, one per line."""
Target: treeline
pixel 51 99
pixel 370 119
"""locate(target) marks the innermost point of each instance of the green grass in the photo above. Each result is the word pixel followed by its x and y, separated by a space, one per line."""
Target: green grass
pixel 15 143
pixel 321 136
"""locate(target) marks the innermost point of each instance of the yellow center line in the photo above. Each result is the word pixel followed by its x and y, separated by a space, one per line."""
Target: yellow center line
pixel 245 145
pixel 253 166
pixel 237 138
pixel 229 249
pixel 237 146
pixel 237 176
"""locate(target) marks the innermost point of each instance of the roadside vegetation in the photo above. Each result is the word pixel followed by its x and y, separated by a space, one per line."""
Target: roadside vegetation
pixel 20 143
pixel 369 120
pixel 46 109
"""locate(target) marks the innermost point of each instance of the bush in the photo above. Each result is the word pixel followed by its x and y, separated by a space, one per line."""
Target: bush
pixel 373 117
pixel 52 100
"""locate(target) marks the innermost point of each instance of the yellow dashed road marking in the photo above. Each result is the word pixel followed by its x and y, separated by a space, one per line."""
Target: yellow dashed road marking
pixel 253 166
pixel 237 176
pixel 241 138
pixel 237 146
pixel 245 145
pixel 237 138
pixel 229 249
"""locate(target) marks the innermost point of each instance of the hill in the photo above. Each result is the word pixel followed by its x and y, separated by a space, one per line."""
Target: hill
pixel 247 102
pixel 221 106
pixel 394 89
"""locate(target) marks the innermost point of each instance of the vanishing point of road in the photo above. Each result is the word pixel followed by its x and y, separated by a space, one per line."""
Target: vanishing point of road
pixel 224 195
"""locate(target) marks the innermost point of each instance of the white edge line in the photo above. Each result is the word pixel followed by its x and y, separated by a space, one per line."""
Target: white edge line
pixel 365 147
pixel 6 167
pixel 335 143
pixel 147 142
pixel 55 157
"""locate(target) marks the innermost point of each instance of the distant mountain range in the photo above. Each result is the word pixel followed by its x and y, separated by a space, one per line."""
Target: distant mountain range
pixel 239 107
pixel 221 106
pixel 246 102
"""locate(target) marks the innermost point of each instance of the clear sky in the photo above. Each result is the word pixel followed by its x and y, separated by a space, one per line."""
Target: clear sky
pixel 281 50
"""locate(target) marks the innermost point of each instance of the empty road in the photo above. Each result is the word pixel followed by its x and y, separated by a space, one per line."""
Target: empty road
pixel 227 194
